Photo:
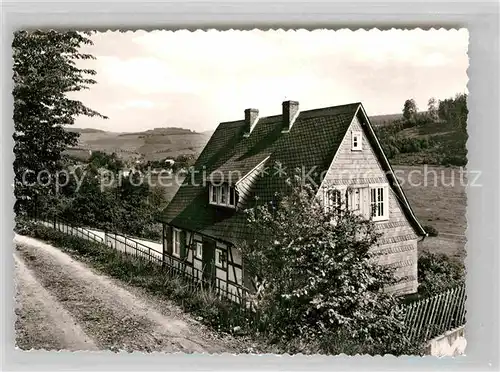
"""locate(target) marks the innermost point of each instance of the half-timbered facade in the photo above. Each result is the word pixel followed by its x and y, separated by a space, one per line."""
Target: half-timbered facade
pixel 338 153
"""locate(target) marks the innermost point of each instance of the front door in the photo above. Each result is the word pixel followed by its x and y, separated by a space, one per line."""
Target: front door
pixel 208 259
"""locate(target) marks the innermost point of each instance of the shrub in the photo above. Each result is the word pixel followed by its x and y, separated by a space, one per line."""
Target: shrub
pixel 24 226
pixel 431 230
pixel 438 272
pixel 318 279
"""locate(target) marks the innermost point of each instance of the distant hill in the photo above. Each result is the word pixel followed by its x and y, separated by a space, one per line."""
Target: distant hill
pixel 85 130
pixel 387 118
pixel 153 144
pixel 429 143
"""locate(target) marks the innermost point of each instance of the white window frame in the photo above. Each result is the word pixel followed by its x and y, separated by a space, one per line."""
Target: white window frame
pixel 199 250
pixel 176 249
pixel 328 202
pixel 218 254
pixel 229 190
pixel 223 192
pixel 210 196
pixel 380 190
pixel 356 140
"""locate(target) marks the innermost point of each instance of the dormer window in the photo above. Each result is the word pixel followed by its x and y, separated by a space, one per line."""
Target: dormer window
pixel 356 137
pixel 223 195
pixel 213 195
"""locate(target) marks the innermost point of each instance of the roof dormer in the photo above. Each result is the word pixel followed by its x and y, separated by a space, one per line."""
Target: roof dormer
pixel 222 195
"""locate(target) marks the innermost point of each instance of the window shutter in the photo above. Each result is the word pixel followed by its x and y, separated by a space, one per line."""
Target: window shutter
pixel 365 202
pixel 386 202
pixel 168 238
pixel 183 251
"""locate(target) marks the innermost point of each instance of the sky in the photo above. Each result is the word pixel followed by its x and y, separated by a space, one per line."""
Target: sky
pixel 198 79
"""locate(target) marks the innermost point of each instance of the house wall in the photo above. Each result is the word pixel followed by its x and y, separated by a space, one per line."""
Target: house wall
pixel 399 240
pixel 228 278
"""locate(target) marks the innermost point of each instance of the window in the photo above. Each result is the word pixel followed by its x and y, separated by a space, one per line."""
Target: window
pixel 356 140
pixel 220 258
pixel 232 195
pixel 356 199
pixel 379 203
pixel 223 195
pixel 333 199
pixel 176 243
pixel 213 194
pixel 199 250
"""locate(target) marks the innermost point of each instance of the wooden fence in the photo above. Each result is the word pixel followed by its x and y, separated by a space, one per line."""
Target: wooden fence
pixel 433 316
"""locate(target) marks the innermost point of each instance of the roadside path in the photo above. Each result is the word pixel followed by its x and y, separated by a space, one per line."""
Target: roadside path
pixel 64 304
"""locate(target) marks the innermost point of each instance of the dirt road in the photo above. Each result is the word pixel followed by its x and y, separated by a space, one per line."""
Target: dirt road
pixel 62 304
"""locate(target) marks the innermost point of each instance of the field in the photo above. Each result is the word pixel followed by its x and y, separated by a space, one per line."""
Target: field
pixel 438 198
pixel 155 144
pixel 386 119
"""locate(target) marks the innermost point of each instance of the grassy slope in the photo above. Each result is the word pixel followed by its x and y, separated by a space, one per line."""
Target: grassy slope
pixel 152 145
pixel 449 142
pixel 440 202
pixel 436 193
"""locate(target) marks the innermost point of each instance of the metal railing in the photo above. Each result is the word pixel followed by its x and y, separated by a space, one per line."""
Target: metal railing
pixel 424 319
pixel 61 224
pixel 130 246
pixel 195 278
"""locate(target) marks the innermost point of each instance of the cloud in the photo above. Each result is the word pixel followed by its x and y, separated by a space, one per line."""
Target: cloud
pixel 197 79
pixel 145 75
pixel 134 104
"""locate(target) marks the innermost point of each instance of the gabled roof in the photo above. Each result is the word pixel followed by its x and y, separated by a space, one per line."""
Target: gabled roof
pixel 311 144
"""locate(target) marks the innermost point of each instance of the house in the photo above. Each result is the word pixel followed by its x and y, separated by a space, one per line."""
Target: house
pixel 204 224
pixel 170 162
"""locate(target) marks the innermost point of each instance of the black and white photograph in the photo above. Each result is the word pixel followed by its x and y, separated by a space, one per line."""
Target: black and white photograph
pixel 241 191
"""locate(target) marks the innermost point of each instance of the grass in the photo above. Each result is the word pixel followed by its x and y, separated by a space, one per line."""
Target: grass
pixel 217 313
pixel 153 144
pixel 438 198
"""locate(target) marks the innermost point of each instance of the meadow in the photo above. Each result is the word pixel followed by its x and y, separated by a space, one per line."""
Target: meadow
pixel 438 198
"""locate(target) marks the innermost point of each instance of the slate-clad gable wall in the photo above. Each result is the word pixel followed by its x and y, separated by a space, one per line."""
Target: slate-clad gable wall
pixel 399 240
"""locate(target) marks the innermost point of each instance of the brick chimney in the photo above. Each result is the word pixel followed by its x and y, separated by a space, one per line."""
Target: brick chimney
pixel 290 113
pixel 251 118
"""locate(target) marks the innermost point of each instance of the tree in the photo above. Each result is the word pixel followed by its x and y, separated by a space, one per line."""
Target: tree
pixel 410 110
pixel 432 109
pixel 44 72
pixel 111 162
pixel 92 205
pixel 454 111
pixel 316 274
